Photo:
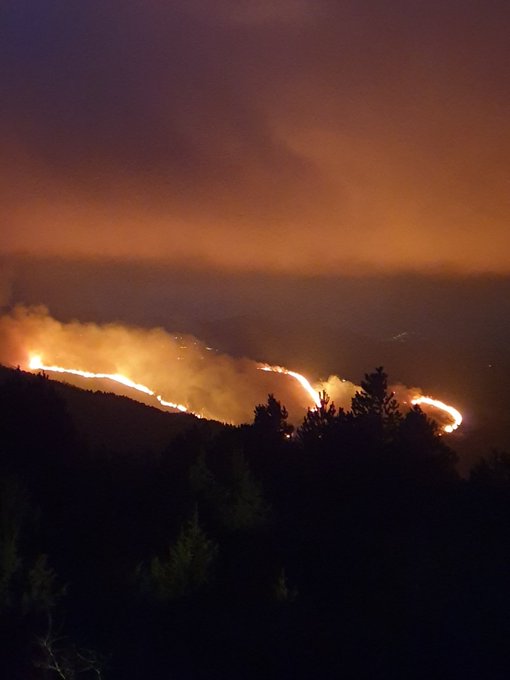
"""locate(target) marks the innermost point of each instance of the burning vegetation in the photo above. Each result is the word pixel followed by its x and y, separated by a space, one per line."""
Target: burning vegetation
pixel 178 372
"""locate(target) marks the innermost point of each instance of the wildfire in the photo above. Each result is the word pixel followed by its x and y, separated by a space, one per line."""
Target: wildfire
pixel 179 407
pixel 429 401
pixel 297 376
pixel 36 364
pixel 452 412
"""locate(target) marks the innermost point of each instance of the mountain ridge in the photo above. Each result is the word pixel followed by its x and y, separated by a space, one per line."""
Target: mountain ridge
pixel 116 424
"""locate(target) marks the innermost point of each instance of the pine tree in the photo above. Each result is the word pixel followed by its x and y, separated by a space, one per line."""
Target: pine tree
pixel 270 420
pixel 14 507
pixel 375 404
pixel 319 423
pixel 188 565
pixel 243 504
pixel 42 591
pixel 423 449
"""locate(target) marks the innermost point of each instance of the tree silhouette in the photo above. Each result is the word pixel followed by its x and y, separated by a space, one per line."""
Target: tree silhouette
pixel 375 405
pixel 493 471
pixel 187 567
pixel 365 512
pixel 14 508
pixel 243 505
pixel 270 420
pixel 235 502
pixel 422 447
pixel 43 590
pixel 318 423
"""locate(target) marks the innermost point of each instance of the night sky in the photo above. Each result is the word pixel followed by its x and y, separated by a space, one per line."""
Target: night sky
pixel 320 184
pixel 278 135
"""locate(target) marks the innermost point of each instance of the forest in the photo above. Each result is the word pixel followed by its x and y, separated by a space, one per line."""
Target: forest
pixel 137 544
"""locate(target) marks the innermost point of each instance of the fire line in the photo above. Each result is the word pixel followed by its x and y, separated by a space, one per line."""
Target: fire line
pixel 452 412
pixel 297 376
pixel 36 363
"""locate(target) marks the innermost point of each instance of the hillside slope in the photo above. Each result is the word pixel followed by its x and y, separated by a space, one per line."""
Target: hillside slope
pixel 107 422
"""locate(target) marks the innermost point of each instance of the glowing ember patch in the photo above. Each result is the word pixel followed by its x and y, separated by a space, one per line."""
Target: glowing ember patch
pixel 452 412
pixel 297 376
pixel 36 364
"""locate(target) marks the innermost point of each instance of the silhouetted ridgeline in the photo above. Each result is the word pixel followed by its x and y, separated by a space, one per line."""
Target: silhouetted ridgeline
pixel 106 422
pixel 349 548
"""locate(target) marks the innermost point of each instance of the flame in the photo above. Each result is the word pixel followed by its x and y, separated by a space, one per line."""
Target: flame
pixel 446 408
pixel 171 404
pixel 297 376
pixel 36 364
pixel 450 410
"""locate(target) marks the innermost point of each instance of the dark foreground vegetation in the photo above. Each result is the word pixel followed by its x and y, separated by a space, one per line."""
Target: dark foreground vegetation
pixel 350 548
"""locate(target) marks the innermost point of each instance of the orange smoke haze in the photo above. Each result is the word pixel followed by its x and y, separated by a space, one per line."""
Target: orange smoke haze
pixel 298 136
pixel 166 370
pixel 178 368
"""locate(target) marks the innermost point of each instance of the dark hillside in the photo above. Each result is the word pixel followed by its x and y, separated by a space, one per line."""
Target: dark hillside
pixel 348 548
pixel 111 423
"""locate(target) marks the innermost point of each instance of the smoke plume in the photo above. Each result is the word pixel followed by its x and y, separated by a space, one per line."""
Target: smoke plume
pixel 179 368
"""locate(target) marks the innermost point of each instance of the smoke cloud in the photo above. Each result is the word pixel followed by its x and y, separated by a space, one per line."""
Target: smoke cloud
pixel 180 368
pixel 5 289
pixel 268 136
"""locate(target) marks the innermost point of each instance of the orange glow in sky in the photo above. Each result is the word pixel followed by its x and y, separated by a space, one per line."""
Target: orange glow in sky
pixel 276 159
